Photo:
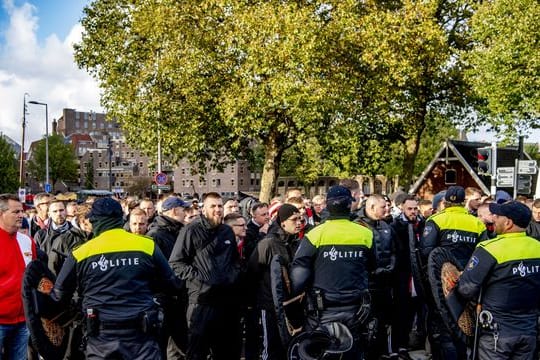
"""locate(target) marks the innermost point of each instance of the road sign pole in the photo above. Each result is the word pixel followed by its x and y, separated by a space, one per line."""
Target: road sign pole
pixel 493 169
pixel 516 171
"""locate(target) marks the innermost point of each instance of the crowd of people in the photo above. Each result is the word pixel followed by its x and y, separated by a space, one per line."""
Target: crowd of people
pixel 189 278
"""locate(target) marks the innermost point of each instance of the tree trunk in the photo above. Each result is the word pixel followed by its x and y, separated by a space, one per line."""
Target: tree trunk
pixel 272 158
pixel 411 150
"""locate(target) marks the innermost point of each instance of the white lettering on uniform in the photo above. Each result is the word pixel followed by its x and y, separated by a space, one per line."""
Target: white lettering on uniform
pixel 524 270
pixel 335 254
pixel 105 264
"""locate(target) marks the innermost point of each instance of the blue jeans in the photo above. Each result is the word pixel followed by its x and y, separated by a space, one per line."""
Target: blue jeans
pixel 13 341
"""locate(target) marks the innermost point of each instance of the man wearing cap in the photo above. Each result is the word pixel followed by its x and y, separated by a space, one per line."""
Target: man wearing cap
pixel 206 257
pixel 457 230
pixel 279 241
pixel 164 230
pixel 115 274
pixel 506 271
pixel 437 203
pixel 332 264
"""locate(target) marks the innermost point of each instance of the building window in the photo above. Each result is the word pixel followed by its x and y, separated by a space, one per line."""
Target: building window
pixel 99 174
pixel 77 124
pixel 241 182
pixel 218 182
pixel 77 115
pixel 232 169
pixel 232 182
pixel 140 164
pixel 183 171
pixel 241 169
pixel 99 164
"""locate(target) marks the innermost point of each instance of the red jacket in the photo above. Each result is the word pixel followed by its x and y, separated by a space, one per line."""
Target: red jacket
pixel 17 251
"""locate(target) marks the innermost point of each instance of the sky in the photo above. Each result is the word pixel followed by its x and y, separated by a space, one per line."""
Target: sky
pixel 36 57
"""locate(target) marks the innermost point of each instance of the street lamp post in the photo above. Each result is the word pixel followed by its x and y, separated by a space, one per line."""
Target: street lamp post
pixel 47 184
pixel 21 165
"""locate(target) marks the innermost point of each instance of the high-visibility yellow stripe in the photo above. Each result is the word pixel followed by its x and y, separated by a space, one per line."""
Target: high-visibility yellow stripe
pixel 507 247
pixel 459 220
pixel 340 232
pixel 111 241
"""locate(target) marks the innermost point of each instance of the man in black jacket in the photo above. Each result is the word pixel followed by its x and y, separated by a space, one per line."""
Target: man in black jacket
pixel 372 216
pixel 279 241
pixel 206 257
pixel 50 239
pixel 164 231
pixel 533 230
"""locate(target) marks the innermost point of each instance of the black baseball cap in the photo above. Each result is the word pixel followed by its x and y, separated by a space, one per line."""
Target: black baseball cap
pixel 516 211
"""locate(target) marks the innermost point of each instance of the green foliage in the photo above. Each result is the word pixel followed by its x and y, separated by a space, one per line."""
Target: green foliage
pixel 9 174
pixel 62 161
pixel 337 82
pixel 505 63
pixel 89 175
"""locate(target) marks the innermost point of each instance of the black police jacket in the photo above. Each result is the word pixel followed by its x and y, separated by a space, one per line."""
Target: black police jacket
pixel 116 274
pixel 207 259
pixel 455 229
pixel 335 258
pixel 507 268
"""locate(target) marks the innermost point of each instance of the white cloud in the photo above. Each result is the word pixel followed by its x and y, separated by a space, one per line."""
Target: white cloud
pixel 46 71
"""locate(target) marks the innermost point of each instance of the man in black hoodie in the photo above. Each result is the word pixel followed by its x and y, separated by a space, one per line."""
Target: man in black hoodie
pixel 279 241
pixel 206 257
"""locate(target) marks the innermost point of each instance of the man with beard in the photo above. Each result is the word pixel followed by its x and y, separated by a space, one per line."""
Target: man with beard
pixel 407 304
pixel 50 240
pixel 279 241
pixel 206 257
pixel 506 271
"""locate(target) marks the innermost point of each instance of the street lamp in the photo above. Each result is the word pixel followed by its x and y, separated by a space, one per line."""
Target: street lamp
pixel 21 165
pixel 48 186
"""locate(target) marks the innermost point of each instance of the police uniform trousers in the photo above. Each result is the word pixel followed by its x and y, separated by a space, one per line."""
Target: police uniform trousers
pixel 122 344
pixel 519 347
pixel 347 315
pixel 213 329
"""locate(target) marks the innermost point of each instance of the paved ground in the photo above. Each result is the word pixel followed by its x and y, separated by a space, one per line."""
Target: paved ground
pixel 419 355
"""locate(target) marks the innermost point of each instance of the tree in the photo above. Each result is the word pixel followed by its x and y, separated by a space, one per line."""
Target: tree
pixel 89 175
pixel 213 79
pixel 504 64
pixel 62 161
pixel 9 174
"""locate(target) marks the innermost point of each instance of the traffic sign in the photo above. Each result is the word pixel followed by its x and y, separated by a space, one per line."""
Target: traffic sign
pixel 161 178
pixel 527 167
pixel 524 184
pixel 48 188
pixel 161 187
pixel 505 177
pixel 22 195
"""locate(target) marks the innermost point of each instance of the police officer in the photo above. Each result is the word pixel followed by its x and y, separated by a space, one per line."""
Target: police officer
pixel 453 228
pixel 332 263
pixel 115 274
pixel 507 271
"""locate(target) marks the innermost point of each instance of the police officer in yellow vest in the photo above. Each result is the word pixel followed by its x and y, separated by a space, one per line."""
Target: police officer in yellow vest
pixel 507 271
pixel 455 229
pixel 116 274
pixel 332 264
